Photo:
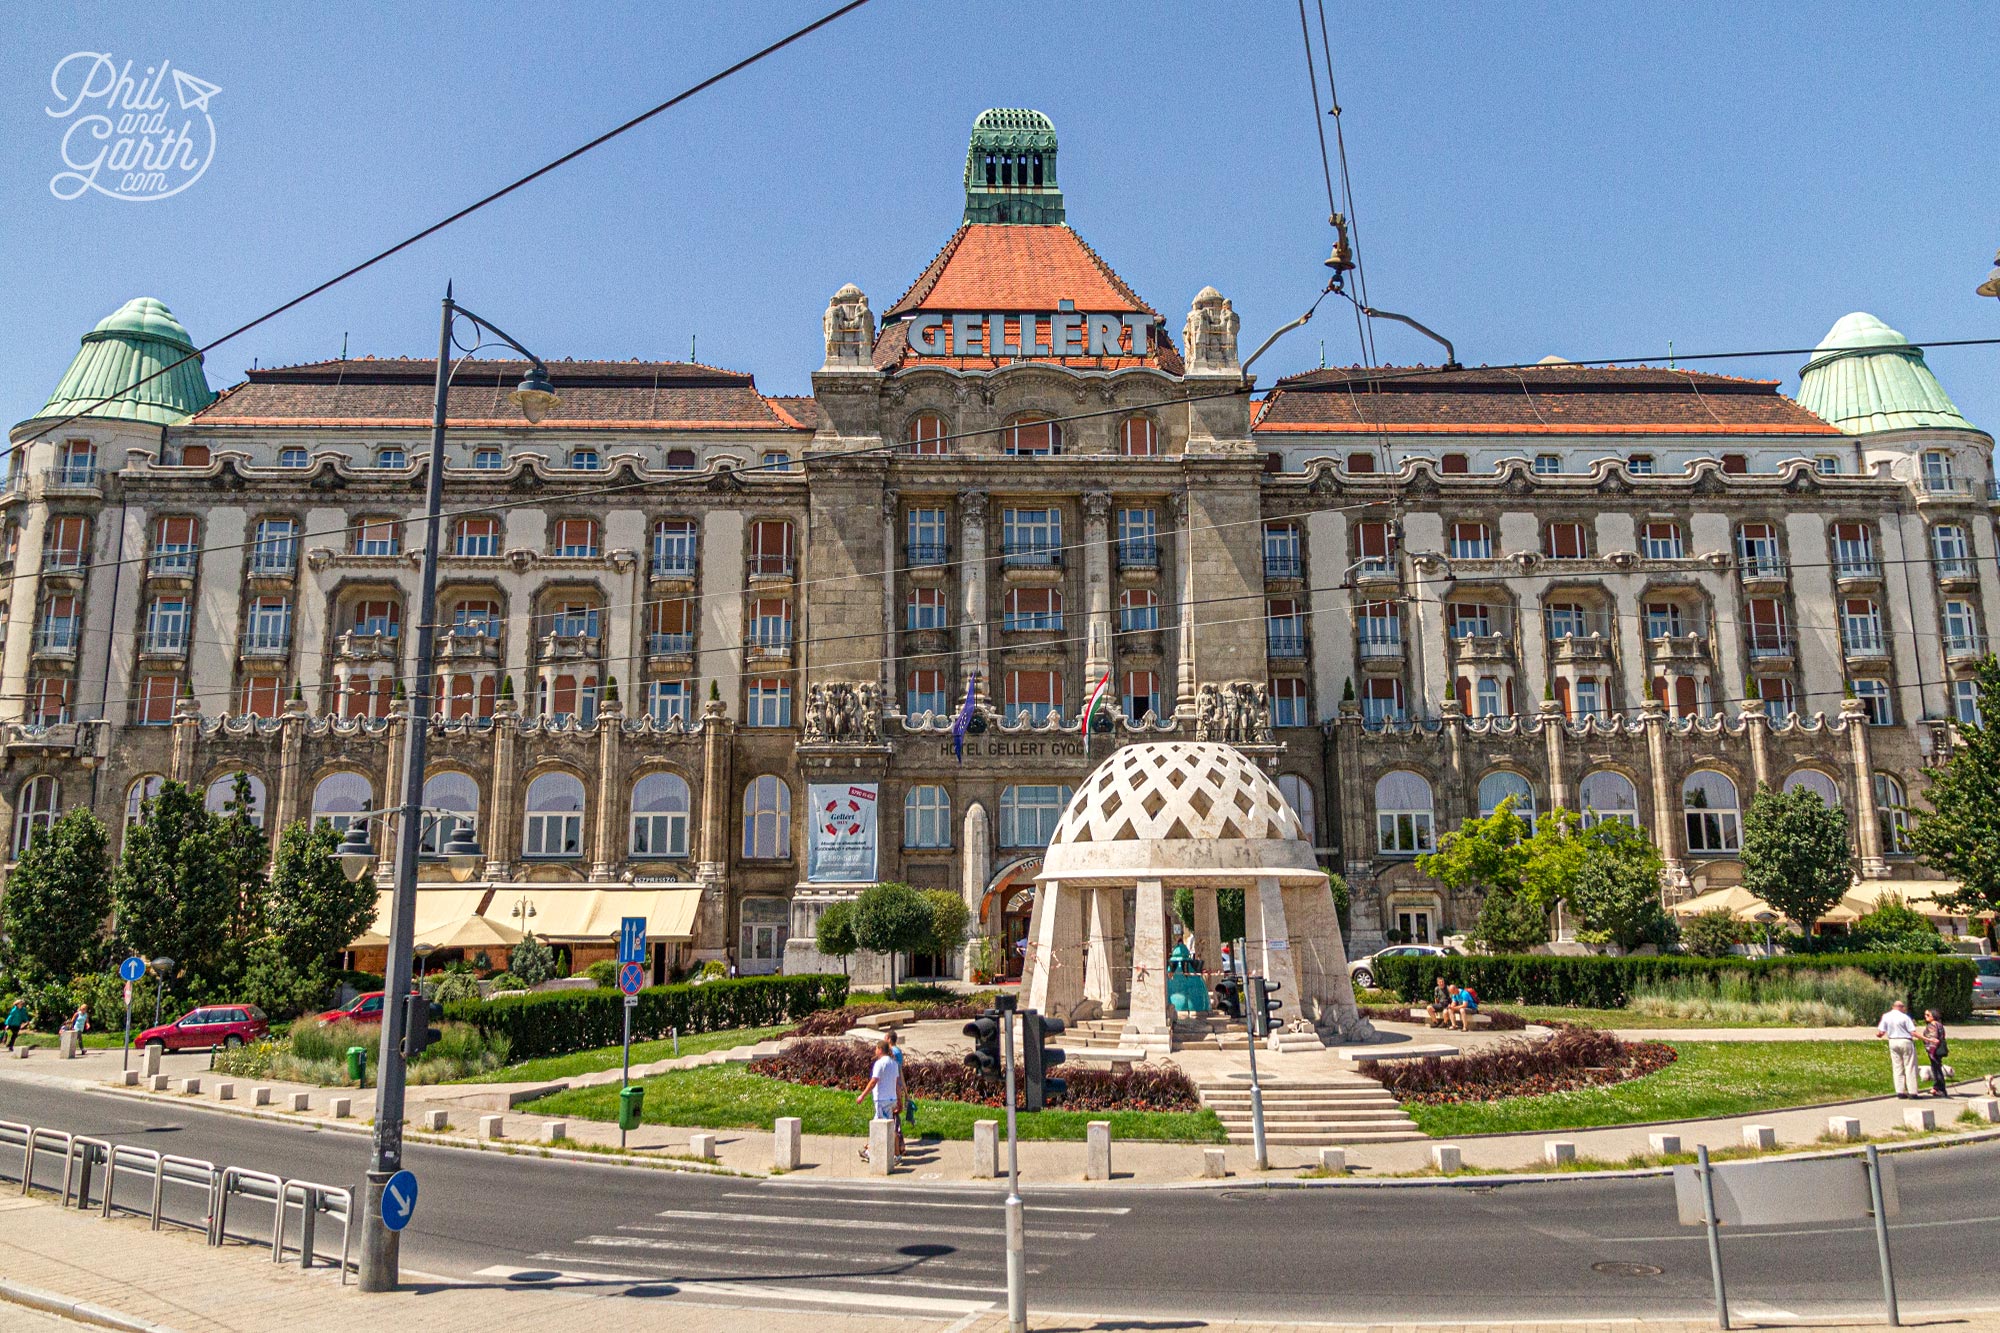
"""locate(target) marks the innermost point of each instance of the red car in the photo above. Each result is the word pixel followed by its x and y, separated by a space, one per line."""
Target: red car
pixel 365 1009
pixel 210 1025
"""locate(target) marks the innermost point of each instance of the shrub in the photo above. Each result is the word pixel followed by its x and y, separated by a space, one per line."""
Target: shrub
pixel 1841 997
pixel 833 1022
pixel 317 1053
pixel 604 972
pixel 1943 983
pixel 845 1064
pixel 1711 934
pixel 549 1023
pixel 1576 1057
pixel 506 981
pixel 532 961
pixel 448 986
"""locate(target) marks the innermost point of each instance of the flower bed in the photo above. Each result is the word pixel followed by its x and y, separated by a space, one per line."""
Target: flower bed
pixel 1498 1020
pixel 843 1064
pixel 1574 1058
pixel 833 1022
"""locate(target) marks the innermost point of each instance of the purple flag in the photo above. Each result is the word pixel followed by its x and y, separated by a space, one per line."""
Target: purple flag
pixel 963 721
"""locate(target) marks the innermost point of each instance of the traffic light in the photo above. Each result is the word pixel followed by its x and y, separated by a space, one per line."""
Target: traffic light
pixel 1264 1006
pixel 417 1030
pixel 1039 1057
pixel 985 1033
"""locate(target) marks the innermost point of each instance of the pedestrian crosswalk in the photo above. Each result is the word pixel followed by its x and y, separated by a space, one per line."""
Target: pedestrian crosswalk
pixel 919 1250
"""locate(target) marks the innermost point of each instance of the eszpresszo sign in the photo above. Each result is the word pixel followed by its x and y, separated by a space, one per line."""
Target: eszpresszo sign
pixel 1071 332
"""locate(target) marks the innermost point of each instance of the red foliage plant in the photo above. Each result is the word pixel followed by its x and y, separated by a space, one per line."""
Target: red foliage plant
pixel 845 1064
pixel 833 1022
pixel 1576 1057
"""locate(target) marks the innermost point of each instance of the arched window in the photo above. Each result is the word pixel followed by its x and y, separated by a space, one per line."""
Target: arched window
pixel 767 819
pixel 1138 610
pixel 1298 793
pixel 1033 435
pixel 1816 782
pixel 136 796
pixel 660 815
pixel 554 817
pixel 1892 815
pixel 339 797
pixel 448 791
pixel 1498 786
pixel 926 434
pixel 1404 822
pixel 1608 795
pixel 222 794
pixel 927 817
pixel 1138 438
pixel 35 811
pixel 1029 814
pixel 1708 802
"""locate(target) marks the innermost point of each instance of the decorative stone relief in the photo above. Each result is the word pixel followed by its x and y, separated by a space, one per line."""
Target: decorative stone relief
pixel 1210 334
pixel 843 714
pixel 850 329
pixel 1239 713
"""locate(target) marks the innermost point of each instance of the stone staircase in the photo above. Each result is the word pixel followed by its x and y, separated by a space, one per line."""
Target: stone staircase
pixel 1318 1111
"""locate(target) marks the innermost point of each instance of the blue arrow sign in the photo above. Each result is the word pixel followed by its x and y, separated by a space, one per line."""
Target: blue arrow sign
pixel 132 968
pixel 632 940
pixel 399 1200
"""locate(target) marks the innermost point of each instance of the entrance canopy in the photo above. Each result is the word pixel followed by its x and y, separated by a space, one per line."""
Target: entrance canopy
pixel 481 916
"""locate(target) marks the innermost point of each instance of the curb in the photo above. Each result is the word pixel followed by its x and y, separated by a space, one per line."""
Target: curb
pixel 82 1312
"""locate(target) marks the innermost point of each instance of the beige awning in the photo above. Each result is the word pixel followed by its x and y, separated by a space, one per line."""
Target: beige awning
pixel 438 911
pixel 1919 895
pixel 472 932
pixel 1736 900
pixel 580 913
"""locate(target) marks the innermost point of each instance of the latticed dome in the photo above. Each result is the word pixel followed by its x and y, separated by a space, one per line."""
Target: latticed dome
pixel 1180 810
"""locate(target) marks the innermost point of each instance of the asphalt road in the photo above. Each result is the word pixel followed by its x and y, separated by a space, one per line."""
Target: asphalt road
pixel 1565 1249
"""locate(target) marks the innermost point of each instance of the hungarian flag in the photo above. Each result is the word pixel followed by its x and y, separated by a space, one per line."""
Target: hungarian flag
pixel 1096 698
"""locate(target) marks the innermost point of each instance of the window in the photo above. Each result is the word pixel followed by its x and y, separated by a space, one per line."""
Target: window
pixel 1757 551
pixel 1564 541
pixel 1816 782
pixel 1381 701
pixel 57 629
pixel 268 626
pixel 1284 555
pixel 1288 702
pixel 1937 470
pixel 1892 815
pixel 1285 627
pixel 1665 620
pixel 925 608
pixel 680 460
pixel 1861 627
pixel 585 460
pixel 1453 465
pixel 377 536
pixel 1961 629
pixel 1029 814
pixel 1359 463
pixel 670 699
pixel 670 626
pixel 1379 630
pixel 1951 552
pixel 1735 464
pixel 221 796
pixel 451 801
pixel 926 434
pixel 1874 697
pixel 924 538
pixel 1138 438
pixel 1033 696
pixel 1566 620
pixel 1033 437
pixel 1138 539
pixel 1403 818
pixel 1608 795
pixel 476 618
pixel 1778 697
pixel 1487 694
pixel 261 696
pixel 775 461
pixel 276 552
pixel 1138 610
pixel 660 806
pixel 1589 698
pixel 167 625
pixel 1032 609
pixel 1465 619
pixel 136 796
pixel 554 818
pixel 1548 465
pixel 467 697
pixel 488 460
pixel 674 546
pixel 1471 541
pixel 1827 465
pixel 173 546
pixel 339 798
pixel 927 817
pixel 767 819
pixel 1770 632
pixel 769 704
pixel 1140 696
pixel 924 693
pixel 1375 547
pixel 156 700
pixel 378 616
pixel 771 547
pixel 574 620
pixel 35 811
pixel 391 455
pixel 1031 536
pixel 48 700
pixel 1854 551
pixel 293 456
pixel 576 539
pixel 1662 541
pixel 1965 702
pixel 1298 794
pixel 1708 803
pixel 1640 465
pixel 771 624
pixel 567 697
pixel 476 537
pixel 68 544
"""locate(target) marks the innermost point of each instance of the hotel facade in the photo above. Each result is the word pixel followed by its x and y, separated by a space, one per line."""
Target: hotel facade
pixel 701 647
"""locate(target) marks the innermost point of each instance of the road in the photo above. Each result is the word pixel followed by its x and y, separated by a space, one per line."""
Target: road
pixel 1558 1250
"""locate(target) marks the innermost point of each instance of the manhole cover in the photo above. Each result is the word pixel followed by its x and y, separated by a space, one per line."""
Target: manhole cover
pixel 1626 1270
pixel 1245 1196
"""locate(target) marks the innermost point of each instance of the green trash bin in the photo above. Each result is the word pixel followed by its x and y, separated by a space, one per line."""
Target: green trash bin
pixel 357 1064
pixel 631 1103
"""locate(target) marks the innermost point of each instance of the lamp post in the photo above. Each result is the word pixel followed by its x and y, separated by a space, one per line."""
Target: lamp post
pixel 163 968
pixel 524 912
pixel 1768 918
pixel 535 397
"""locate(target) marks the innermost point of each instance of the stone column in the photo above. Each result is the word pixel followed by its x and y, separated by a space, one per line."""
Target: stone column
pixel 1185 683
pixel 712 924
pixel 1151 1021
pixel 1096 589
pixel 892 697
pixel 1055 951
pixel 284 789
pixel 1207 927
pixel 975 849
pixel 610 794
pixel 1326 992
pixel 187 728
pixel 1666 825
pixel 502 831
pixel 973 637
pixel 1757 728
pixel 343 686
pixel 1106 907
pixel 1854 717
pixel 1265 900
pixel 388 836
pixel 1552 741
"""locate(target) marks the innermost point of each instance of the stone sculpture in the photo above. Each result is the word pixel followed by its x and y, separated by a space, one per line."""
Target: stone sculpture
pixel 1209 338
pixel 850 328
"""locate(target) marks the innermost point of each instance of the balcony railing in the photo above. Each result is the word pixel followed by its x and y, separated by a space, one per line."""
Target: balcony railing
pixel 1857 567
pixel 1035 556
pixel 924 555
pixel 770 566
pixel 280 564
pixel 57 639
pixel 669 645
pixel 768 640
pixel 1284 565
pixel 73 477
pixel 1862 641
pixel 1767 643
pixel 172 560
pixel 673 564
pixel 1285 643
pixel 1956 567
pixel 267 643
pixel 164 642
pixel 1752 567
pixel 1138 553
pixel 61 560
pixel 1380 643
pixel 1961 646
pixel 1376 568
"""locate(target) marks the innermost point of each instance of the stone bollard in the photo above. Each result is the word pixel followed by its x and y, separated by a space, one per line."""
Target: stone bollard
pixel 554 1130
pixel 260 1096
pixel 1844 1127
pixel 301 1101
pixel 985 1149
pixel 67 1044
pixel 129 1079
pixel 1986 1108
pixel 788 1143
pixel 158 1082
pixel 1333 1159
pixel 1664 1144
pixel 1759 1136
pixel 493 1127
pixel 1214 1163
pixel 436 1121
pixel 153 1054
pixel 340 1108
pixel 702 1146
pixel 1920 1118
pixel 881 1146
pixel 225 1092
pixel 1559 1152
pixel 19 1052
pixel 1446 1157
pixel 191 1086
pixel 1097 1150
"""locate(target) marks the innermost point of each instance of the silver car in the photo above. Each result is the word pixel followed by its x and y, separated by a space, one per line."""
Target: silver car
pixel 1986 986
pixel 1362 970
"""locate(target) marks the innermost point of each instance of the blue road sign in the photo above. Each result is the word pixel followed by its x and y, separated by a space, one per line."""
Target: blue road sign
pixel 632 940
pixel 631 977
pixel 132 968
pixel 399 1200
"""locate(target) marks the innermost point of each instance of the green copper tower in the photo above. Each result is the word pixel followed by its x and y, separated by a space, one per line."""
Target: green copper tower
pixel 1010 169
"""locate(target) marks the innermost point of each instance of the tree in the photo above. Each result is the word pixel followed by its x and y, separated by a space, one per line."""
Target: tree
pixel 1492 853
pixel 1710 934
pixel 532 961
pixel 246 851
pixel 1615 889
pixel 892 918
pixel 950 920
pixel 175 891
pixel 57 901
pixel 1795 853
pixel 312 910
pixel 1959 836
pixel 834 936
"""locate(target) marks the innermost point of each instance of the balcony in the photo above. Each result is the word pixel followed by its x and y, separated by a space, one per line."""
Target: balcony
pixel 670 645
pixel 1285 645
pixel 1958 571
pixel 164 643
pixel 1682 650
pixel 927 555
pixel 1581 648
pixel 769 645
pixel 1379 644
pixel 1964 647
pixel 1855 572
pixel 171 562
pixel 1761 572
pixel 1485 647
pixel 73 479
pixel 1138 554
pixel 1769 645
pixel 359 645
pixel 1866 641
pixel 1033 556
pixel 274 564
pixel 63 561
pixel 573 646
pixel 468 647
pixel 672 564
pixel 1377 571
pixel 1284 565
pixel 771 568
pixel 57 640
pixel 267 643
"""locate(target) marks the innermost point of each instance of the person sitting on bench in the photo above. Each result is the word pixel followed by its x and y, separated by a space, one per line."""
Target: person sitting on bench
pixel 1439 1008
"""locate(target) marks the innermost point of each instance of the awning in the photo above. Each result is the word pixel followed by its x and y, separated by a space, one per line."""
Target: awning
pixel 582 913
pixel 1736 900
pixel 472 932
pixel 1865 896
pixel 438 911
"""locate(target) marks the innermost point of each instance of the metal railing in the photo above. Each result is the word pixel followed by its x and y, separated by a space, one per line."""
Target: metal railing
pixel 1283 565
pixel 1956 567
pixel 1032 557
pixel 267 643
pixel 168 642
pixel 171 560
pixel 274 564
pixel 925 554
pixel 1281 644
pixel 673 564
pixel 1964 645
pixel 1862 641
pixel 56 638
pixel 1751 567
pixel 669 645
pixel 1769 643
pixel 1138 553
pixel 1857 567
pixel 72 476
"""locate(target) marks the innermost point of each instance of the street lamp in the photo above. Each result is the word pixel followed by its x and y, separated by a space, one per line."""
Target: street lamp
pixel 1767 918
pixel 535 397
pixel 163 966
pixel 524 912
pixel 424 952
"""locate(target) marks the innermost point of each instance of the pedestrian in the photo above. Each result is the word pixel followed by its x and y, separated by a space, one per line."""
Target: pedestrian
pixel 1465 1005
pixel 906 1107
pixel 1936 1047
pixel 885 1084
pixel 1225 960
pixel 79 1022
pixel 1896 1028
pixel 17 1018
pixel 1439 1008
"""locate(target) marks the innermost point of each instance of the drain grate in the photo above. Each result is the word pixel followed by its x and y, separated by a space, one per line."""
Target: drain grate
pixel 1626 1270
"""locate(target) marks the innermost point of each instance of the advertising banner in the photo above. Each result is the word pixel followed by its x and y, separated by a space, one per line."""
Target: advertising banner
pixel 842 850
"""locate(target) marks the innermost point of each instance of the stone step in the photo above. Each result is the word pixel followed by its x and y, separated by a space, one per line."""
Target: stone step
pixel 1323 1109
pixel 1314 1120
pixel 1332 1083
pixel 1333 1139
pixel 1297 1096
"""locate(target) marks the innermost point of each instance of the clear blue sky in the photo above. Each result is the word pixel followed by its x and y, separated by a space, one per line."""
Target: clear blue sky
pixel 1586 179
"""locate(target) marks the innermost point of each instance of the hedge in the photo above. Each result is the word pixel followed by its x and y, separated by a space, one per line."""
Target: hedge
pixel 558 1022
pixel 1928 981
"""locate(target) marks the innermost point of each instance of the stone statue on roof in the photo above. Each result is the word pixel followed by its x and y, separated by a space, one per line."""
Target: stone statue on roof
pixel 1209 338
pixel 850 329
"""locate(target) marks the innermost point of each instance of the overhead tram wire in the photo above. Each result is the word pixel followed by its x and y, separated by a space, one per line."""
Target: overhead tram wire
pixel 1346 190
pixel 458 216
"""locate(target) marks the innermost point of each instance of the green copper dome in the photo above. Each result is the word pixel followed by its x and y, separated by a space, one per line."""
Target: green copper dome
pixel 129 346
pixel 1010 169
pixel 1866 377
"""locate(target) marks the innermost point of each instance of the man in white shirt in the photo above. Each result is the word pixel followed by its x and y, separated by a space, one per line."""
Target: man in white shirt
pixel 1901 1033
pixel 886 1076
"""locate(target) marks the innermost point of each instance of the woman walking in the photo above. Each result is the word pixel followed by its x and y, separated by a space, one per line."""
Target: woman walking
pixel 1936 1047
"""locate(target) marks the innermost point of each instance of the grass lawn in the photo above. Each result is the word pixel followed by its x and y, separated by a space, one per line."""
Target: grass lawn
pixel 609 1057
pixel 1610 1018
pixel 1711 1078
pixel 731 1097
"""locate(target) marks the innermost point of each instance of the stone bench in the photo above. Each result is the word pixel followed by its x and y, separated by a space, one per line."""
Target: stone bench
pixel 1480 1019
pixel 1119 1058
pixel 1368 1055
pixel 891 1018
